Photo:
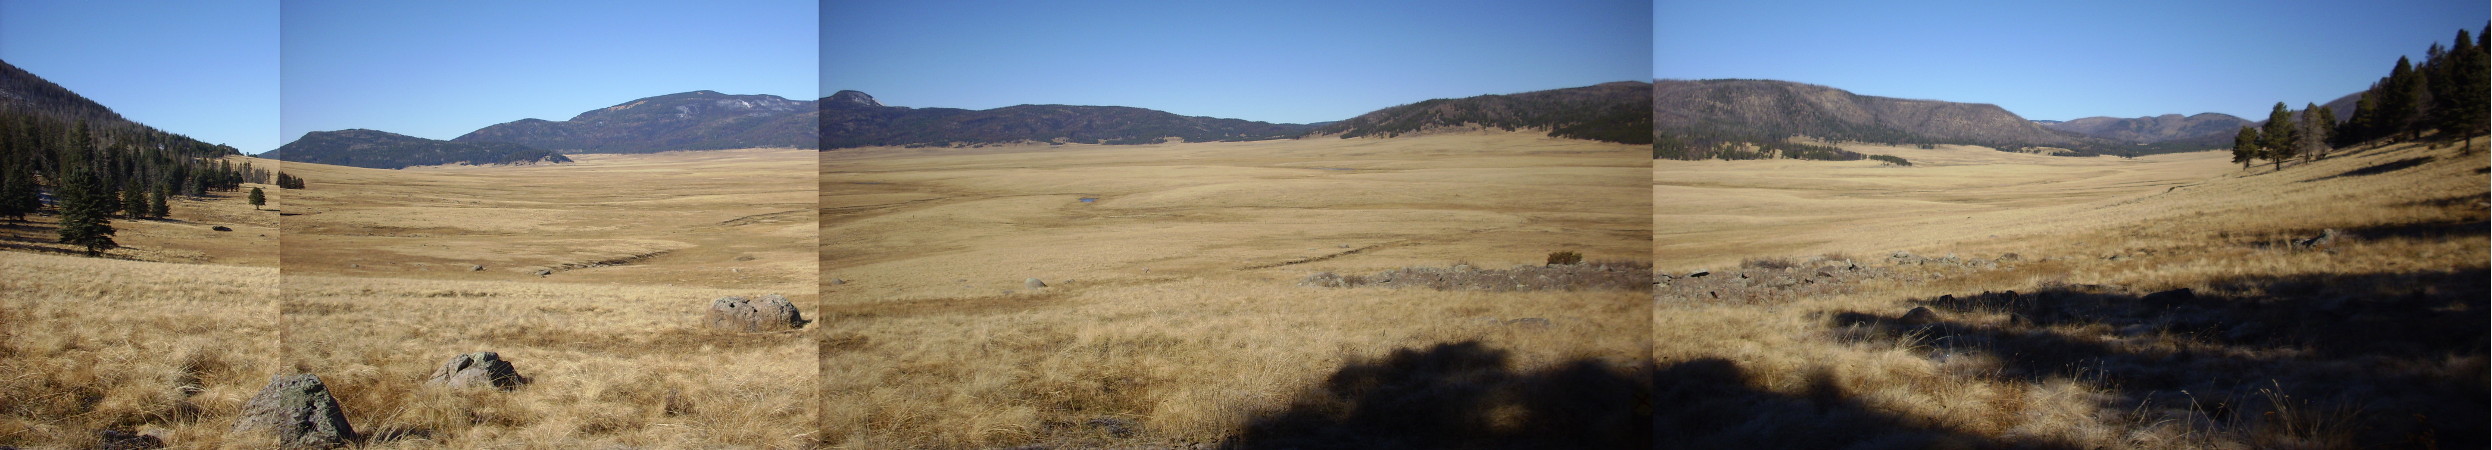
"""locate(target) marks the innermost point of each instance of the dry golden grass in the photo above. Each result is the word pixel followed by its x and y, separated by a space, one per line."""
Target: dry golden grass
pixel 378 291
pixel 1174 313
pixel 89 344
pixel 2374 341
pixel 147 339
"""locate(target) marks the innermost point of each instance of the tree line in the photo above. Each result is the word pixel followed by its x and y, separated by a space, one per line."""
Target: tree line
pixel 2447 94
pixel 90 172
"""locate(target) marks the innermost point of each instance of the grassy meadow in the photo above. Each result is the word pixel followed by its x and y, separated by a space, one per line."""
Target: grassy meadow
pixel 168 335
pixel 591 278
pixel 1173 313
pixel 2053 317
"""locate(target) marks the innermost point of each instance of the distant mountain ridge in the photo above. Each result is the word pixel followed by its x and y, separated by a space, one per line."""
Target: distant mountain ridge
pixel 1613 112
pixel 1697 118
pixel 855 119
pixel 697 120
pixel 385 150
pixel 2155 129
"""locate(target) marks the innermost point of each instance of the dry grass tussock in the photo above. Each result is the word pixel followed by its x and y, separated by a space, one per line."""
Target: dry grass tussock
pixel 92 345
pixel 637 366
pixel 2083 338
pixel 1173 316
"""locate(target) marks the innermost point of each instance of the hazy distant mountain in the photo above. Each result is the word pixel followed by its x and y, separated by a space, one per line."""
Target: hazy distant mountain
pixel 2149 130
pixel 1614 112
pixel 1696 116
pixel 697 120
pixel 854 119
pixel 385 150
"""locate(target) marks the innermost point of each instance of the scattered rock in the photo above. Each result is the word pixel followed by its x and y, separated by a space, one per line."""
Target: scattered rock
pixel 221 228
pixel 298 411
pixel 475 267
pixel 1323 279
pixel 479 369
pixel 544 272
pixel 766 313
pixel 1345 245
pixel 2171 298
pixel 1033 283
pixel 1918 316
pixel 123 440
pixel 1699 274
pixel 836 282
pixel 744 257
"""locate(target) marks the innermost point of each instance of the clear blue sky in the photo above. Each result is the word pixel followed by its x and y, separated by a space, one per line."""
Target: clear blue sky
pixel 439 69
pixel 2067 59
pixel 207 69
pixel 1274 61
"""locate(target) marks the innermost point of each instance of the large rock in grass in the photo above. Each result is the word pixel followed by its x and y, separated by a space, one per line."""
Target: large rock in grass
pixel 479 369
pixel 298 411
pixel 766 313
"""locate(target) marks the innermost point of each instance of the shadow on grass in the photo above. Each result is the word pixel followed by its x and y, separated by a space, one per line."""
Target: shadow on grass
pixel 1457 396
pixel 1709 403
pixel 2376 169
pixel 2393 359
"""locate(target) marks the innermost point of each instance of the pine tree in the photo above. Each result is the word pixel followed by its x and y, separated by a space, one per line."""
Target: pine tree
pixel 86 214
pixel 17 188
pixel 258 198
pixel 2245 146
pixel 2313 132
pixel 2277 139
pixel 2400 97
pixel 2358 129
pixel 133 203
pixel 158 205
pixel 2461 101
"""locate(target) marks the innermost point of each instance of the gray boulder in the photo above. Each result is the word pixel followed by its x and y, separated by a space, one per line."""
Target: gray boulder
pixel 1033 283
pixel 479 369
pixel 766 313
pixel 298 411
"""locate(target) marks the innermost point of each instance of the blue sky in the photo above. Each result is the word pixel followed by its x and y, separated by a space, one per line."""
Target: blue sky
pixel 207 69
pixel 2063 60
pixel 439 69
pixel 1275 61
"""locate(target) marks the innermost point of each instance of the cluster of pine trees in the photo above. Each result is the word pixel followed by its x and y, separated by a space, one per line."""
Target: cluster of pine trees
pixel 90 173
pixel 2449 93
